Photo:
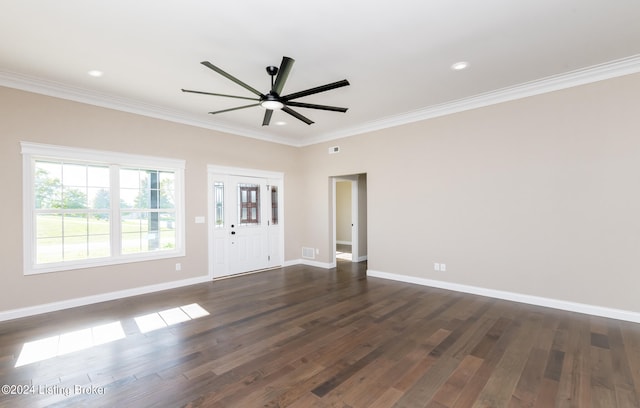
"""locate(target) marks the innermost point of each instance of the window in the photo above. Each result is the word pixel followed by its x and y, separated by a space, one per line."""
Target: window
pixel 88 208
pixel 249 204
pixel 218 193
pixel 274 205
pixel 71 211
pixel 147 209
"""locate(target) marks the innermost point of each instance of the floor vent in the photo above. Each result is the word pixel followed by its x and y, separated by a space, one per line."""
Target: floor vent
pixel 308 253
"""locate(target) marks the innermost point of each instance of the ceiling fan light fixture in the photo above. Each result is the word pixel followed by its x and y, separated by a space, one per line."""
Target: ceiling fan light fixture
pixel 272 104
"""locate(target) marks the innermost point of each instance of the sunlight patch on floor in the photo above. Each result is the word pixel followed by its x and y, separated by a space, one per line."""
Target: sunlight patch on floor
pixel 77 340
pixel 169 317
pixel 70 342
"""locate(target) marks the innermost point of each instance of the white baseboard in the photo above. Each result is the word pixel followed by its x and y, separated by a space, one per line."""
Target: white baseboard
pixel 343 242
pixel 104 297
pixel 325 265
pixel 515 297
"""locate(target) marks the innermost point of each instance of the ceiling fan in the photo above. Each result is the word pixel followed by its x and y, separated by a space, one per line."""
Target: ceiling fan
pixel 272 100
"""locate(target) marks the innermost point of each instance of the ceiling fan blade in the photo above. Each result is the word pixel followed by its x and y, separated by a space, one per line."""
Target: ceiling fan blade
pixel 283 74
pixel 316 90
pixel 297 115
pixel 217 94
pixel 232 109
pixel 312 106
pixel 231 77
pixel 267 117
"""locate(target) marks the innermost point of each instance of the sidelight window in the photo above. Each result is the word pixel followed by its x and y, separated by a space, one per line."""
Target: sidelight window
pixel 218 197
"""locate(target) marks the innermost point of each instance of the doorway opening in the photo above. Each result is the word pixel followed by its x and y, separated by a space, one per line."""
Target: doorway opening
pixel 349 194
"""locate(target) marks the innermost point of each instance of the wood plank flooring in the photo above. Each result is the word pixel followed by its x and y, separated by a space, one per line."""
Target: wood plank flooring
pixel 307 337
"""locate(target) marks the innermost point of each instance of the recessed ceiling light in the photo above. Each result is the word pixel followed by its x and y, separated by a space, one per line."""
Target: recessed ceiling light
pixel 280 123
pixel 95 73
pixel 459 66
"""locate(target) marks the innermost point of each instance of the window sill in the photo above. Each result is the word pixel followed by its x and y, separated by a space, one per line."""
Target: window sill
pixel 84 264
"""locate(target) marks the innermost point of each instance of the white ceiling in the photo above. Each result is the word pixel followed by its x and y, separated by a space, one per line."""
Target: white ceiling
pixel 396 55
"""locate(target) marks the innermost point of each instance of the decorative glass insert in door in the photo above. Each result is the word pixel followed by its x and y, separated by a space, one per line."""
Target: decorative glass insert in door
pixel 248 204
pixel 274 205
pixel 218 195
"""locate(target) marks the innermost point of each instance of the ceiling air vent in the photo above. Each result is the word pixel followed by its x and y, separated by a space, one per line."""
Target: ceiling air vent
pixel 334 149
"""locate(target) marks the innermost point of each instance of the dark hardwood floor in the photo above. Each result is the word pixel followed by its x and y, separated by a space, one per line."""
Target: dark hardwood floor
pixel 307 337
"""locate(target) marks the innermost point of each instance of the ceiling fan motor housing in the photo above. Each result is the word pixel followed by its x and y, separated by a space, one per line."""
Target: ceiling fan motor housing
pixel 271 70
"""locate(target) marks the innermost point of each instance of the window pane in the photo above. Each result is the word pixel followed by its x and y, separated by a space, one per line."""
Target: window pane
pixel 249 204
pixel 75 248
pixel 218 193
pixel 99 246
pixel 167 231
pixel 75 225
pixel 99 198
pixel 129 178
pixel 48 225
pixel 167 189
pixel 99 224
pixel 74 175
pixel 49 250
pixel 74 197
pixel 52 169
pixel 133 227
pixel 48 185
pixel 99 233
pixel 98 176
pixel 128 197
pixel 145 231
pixel 274 205
pixel 153 192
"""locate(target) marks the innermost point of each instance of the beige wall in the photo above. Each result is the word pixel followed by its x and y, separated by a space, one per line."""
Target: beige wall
pixel 34 118
pixel 538 196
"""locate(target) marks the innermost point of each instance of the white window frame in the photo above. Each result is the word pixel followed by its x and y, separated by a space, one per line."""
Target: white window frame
pixel 36 151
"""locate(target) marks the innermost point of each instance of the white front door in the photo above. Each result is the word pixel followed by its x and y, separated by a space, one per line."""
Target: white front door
pixel 247 223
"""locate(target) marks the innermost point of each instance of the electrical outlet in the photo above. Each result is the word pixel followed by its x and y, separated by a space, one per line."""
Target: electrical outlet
pixel 443 267
pixel 436 266
pixel 178 267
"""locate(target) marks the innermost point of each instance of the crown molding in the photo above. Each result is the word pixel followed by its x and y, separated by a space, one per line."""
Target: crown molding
pixel 600 72
pixel 595 73
pixel 76 94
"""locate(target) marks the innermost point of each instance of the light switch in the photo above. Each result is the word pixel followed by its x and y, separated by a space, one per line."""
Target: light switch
pixel 200 220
